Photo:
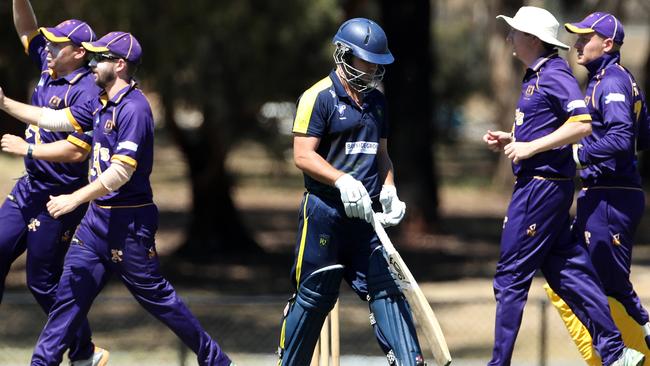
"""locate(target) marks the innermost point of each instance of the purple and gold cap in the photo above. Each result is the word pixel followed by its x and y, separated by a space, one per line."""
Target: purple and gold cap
pixel 71 30
pixel 121 44
pixel 602 23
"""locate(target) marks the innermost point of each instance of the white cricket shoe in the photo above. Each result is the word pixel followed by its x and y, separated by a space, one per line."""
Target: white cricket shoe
pixel 99 358
pixel 630 357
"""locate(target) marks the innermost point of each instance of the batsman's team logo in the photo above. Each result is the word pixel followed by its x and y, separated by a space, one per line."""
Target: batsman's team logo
pixel 530 90
pixel 519 117
pixel 116 255
pixel 587 237
pixel 33 224
pixel 616 239
pixel 324 240
pixel 54 102
pixel 341 108
pixel 532 230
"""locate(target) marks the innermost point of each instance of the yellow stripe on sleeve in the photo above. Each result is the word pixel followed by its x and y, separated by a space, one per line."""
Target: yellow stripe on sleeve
pixel 73 121
pixel 579 118
pixel 306 105
pixel 303 241
pixel 125 159
pixel 78 142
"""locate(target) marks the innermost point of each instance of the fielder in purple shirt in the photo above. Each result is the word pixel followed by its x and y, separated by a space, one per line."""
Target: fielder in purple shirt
pixel 611 203
pixel 64 81
pixel 550 116
pixel 117 233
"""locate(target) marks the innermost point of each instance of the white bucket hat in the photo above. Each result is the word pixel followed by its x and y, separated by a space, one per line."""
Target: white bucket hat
pixel 538 22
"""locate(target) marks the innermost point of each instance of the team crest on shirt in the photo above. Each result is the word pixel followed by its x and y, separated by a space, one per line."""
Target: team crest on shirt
pixel 116 255
pixel 341 108
pixel 323 240
pixel 530 90
pixel 108 126
pixel 532 230
pixel 616 239
pixel 587 237
pixel 519 117
pixel 33 224
pixel 54 102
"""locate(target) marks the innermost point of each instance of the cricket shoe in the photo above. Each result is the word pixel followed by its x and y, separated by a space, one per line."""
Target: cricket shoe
pixel 99 358
pixel 630 357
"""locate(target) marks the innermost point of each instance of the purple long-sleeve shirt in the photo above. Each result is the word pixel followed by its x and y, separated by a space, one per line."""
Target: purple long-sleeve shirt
pixel 618 110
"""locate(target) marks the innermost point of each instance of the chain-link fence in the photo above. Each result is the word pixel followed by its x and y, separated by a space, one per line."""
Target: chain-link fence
pixel 248 327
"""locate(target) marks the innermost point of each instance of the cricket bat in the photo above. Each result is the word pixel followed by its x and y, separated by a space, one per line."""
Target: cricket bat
pixel 422 312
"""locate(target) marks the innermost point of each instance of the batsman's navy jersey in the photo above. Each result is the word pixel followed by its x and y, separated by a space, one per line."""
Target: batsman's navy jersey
pixel 550 97
pixel 58 93
pixel 123 130
pixel 349 134
pixel 618 111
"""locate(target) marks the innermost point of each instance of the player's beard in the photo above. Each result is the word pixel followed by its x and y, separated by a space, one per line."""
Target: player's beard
pixel 105 78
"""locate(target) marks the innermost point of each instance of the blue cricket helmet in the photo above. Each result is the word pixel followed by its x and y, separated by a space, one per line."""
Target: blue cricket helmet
pixel 365 39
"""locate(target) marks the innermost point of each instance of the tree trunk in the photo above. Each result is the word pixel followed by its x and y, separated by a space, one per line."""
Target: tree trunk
pixel 215 229
pixel 410 107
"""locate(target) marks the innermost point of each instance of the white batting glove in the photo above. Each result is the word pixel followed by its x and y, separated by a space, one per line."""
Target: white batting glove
pixel 355 198
pixel 393 209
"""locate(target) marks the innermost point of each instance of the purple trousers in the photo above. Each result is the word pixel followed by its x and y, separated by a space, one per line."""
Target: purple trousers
pixel 120 241
pixel 536 236
pixel 25 224
pixel 605 224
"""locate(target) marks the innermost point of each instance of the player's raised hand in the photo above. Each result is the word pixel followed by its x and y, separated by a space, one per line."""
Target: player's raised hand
pixel 393 209
pixel 496 140
pixel 14 145
pixel 355 198
pixel 61 205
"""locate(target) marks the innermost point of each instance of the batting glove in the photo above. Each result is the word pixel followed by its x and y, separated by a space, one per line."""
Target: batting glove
pixel 393 209
pixel 355 198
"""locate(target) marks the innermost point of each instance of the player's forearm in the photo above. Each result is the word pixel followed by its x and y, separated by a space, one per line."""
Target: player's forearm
pixel 59 152
pixel 316 167
pixel 24 19
pixel 385 167
pixel 568 133
pixel 24 112
pixel 90 192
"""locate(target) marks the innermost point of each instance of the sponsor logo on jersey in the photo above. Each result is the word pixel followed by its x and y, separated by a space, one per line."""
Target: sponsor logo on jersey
pixel 614 97
pixel 33 224
pixel 532 230
pixel 361 147
pixel 54 101
pixel 575 104
pixel 341 109
pixel 128 145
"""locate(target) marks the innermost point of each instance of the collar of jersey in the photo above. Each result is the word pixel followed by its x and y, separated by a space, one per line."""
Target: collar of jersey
pixel 338 87
pixel 72 77
pixel 542 60
pixel 597 65
pixel 117 98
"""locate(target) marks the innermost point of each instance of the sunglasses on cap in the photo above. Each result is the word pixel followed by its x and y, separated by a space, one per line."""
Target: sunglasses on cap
pixel 100 57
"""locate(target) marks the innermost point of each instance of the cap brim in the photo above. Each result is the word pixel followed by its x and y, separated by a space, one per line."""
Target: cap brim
pixel 523 28
pixel 96 48
pixel 52 35
pixel 578 28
